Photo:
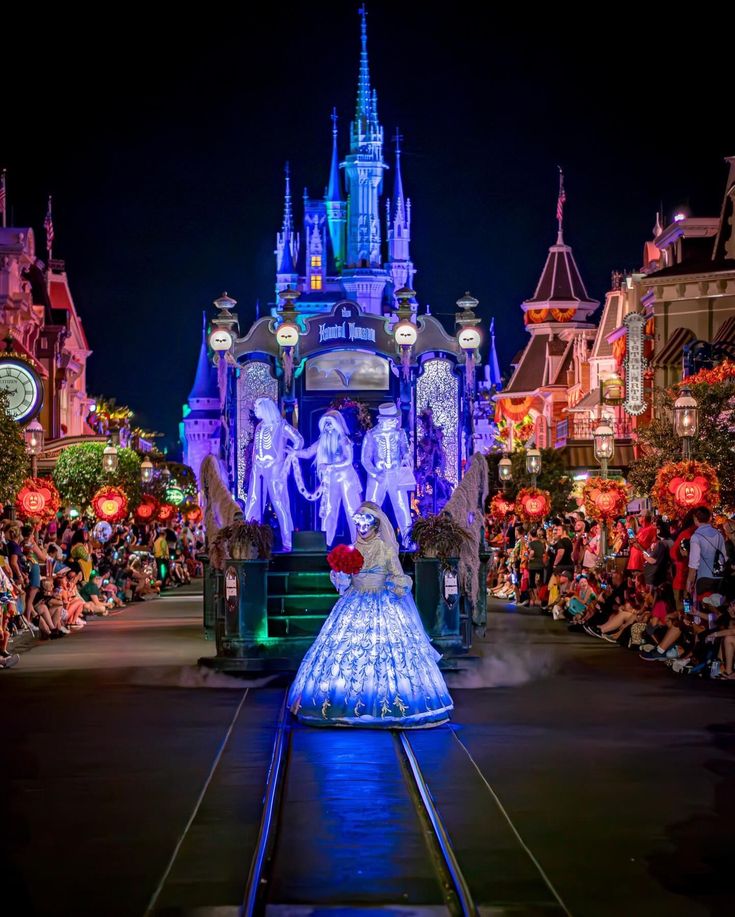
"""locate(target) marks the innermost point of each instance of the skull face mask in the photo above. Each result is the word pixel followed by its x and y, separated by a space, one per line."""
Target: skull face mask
pixel 365 523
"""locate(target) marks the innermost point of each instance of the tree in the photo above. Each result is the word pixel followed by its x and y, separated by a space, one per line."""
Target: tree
pixel 713 443
pixel 13 455
pixel 79 474
pixel 554 477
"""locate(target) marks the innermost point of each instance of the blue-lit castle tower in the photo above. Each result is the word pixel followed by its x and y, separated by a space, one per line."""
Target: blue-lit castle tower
pixel 341 252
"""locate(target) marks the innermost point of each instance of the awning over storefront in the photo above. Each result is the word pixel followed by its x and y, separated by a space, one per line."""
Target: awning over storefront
pixel 671 353
pixel 583 456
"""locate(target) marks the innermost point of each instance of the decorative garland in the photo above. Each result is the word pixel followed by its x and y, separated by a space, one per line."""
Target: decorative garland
pixel 513 409
pixel 724 372
pixel 605 499
pixel 110 504
pixel 563 315
pixel 364 417
pixel 681 486
pixel 536 316
pixel 500 506
pixel 147 509
pixel 532 504
pixel 39 499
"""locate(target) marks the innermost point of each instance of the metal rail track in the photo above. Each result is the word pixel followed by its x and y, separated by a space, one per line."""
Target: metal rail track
pixel 455 890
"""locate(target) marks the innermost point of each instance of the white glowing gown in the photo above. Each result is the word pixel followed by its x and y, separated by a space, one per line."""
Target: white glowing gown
pixel 372 663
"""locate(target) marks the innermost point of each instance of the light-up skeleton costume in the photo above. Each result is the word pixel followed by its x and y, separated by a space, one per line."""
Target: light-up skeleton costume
pixel 372 663
pixel 339 484
pixel 272 460
pixel 387 460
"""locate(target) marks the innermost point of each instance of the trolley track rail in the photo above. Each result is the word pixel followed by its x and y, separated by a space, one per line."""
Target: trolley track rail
pixel 453 890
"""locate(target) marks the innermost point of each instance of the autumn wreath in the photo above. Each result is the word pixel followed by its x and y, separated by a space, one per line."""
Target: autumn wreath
pixel 681 486
pixel 37 499
pixel 500 506
pixel 110 504
pixel 605 498
pixel 532 504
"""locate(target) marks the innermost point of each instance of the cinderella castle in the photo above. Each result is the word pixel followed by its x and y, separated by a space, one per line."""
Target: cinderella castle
pixel 339 253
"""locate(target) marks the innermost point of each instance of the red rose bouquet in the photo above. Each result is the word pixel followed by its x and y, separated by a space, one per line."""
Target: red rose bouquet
pixel 345 559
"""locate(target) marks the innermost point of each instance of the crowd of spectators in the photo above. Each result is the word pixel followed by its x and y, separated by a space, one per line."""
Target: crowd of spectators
pixel 56 578
pixel 663 589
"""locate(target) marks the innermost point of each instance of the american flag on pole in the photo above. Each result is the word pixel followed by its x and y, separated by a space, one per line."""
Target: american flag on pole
pixel 48 224
pixel 562 198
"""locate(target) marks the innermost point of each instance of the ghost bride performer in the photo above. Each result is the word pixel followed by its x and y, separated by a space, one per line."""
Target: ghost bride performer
pixel 339 484
pixel 271 466
pixel 372 663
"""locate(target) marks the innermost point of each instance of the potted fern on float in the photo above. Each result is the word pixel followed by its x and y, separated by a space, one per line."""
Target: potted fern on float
pixel 439 540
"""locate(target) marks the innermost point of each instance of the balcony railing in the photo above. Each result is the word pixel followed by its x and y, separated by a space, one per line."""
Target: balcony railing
pixel 582 429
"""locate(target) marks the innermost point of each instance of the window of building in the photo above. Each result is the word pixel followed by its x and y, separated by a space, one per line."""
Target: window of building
pixel 316 261
pixel 316 281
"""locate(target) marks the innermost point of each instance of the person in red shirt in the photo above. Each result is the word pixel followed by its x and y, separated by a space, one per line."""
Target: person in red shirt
pixel 680 556
pixel 642 542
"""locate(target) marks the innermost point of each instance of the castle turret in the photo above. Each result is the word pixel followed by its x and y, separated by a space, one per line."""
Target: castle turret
pixel 398 213
pixel 201 423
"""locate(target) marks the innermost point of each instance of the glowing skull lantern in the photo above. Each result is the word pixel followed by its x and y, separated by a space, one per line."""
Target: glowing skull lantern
pixel 220 340
pixel 469 338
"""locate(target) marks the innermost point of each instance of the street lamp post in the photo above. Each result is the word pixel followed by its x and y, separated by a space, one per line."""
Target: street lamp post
pixel 146 471
pixel 533 464
pixel 33 435
pixel 505 471
pixel 604 448
pixel 686 420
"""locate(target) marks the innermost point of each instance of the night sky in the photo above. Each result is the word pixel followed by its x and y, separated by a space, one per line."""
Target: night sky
pixel 163 141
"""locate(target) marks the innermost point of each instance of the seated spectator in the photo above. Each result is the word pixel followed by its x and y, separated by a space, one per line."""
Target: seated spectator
pixel 91 593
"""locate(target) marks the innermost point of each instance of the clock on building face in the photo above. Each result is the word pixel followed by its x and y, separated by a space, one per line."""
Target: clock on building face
pixel 22 387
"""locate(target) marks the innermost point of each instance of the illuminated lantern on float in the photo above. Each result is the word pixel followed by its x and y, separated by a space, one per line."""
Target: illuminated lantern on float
pixel 406 335
pixel 38 498
pixel 287 337
pixel 110 504
pixel 147 510
pixel 532 504
pixel 220 340
pixel 605 498
pixel 681 486
pixel 469 339
pixel 102 532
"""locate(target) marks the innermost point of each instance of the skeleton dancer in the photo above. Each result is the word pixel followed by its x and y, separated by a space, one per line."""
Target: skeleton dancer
pixel 387 460
pixel 338 480
pixel 271 465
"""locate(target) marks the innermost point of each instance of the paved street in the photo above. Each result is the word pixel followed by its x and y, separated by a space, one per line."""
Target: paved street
pixel 131 779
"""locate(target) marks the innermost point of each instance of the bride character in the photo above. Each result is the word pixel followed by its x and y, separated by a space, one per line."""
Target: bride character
pixel 339 483
pixel 372 663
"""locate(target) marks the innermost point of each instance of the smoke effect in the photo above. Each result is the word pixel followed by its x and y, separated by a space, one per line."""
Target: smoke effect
pixel 176 676
pixel 506 667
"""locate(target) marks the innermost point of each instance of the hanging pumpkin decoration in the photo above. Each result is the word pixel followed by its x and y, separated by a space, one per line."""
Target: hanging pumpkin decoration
pixel 166 512
pixel 605 499
pixel 110 504
pixel 500 507
pixel 38 499
pixel 532 504
pixel 147 510
pixel 681 486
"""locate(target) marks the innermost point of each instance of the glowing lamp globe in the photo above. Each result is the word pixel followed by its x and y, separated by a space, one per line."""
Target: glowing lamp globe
pixel 505 470
pixel 287 334
pixel 33 435
pixel 220 340
pixel 110 459
pixel 603 442
pixel 146 471
pixel 533 461
pixel 686 415
pixel 469 338
pixel 405 333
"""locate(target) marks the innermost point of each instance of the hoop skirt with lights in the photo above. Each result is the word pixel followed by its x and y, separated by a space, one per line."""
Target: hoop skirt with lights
pixel 372 664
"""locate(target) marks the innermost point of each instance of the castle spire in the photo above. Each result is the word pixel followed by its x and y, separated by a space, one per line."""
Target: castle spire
pixel 398 197
pixel 333 190
pixel 287 212
pixel 364 96
pixel 287 243
pixel 561 200
pixel 205 380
